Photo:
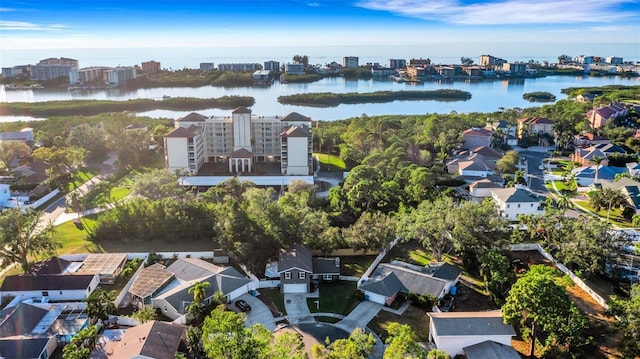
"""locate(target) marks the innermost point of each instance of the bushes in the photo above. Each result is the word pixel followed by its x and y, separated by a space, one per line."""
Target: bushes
pixel 425 302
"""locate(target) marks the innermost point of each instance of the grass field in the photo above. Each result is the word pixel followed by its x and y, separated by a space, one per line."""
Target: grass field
pixel 330 162
pixel 615 217
pixel 81 176
pixel 337 297
pixel 355 265
pixel 414 317
pixel 74 238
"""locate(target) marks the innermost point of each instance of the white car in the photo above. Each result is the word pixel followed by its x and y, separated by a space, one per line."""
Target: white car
pixel 541 167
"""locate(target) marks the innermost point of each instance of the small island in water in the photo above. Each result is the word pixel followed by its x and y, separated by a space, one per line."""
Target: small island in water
pixel 330 99
pixel 539 96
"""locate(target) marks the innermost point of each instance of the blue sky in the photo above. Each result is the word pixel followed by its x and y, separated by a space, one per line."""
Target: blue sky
pixel 210 23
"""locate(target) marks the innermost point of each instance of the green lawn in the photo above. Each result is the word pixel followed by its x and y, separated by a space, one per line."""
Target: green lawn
pixel 74 239
pixel 276 297
pixel 416 318
pixel 81 176
pixel 355 265
pixel 336 297
pixel 562 187
pixel 615 217
pixel 330 162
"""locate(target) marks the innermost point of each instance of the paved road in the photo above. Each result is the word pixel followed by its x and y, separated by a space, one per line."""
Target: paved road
pixel 535 174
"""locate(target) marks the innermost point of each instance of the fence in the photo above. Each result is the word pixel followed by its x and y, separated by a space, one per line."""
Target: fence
pixel 44 198
pixel 579 282
pixel 377 261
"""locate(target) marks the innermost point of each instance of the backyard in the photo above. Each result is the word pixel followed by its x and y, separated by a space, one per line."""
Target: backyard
pixel 329 163
pixel 355 265
pixel 335 297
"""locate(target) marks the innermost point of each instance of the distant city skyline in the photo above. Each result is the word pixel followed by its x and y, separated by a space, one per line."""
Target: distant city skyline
pixel 64 24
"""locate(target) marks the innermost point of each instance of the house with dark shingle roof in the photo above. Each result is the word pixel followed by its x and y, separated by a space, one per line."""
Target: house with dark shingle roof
pixel 585 156
pixel 515 201
pixel 59 287
pixel 629 188
pixel 454 331
pixel 490 350
pixel 297 268
pixel 172 297
pixel 20 335
pixel 398 278
pixel 154 339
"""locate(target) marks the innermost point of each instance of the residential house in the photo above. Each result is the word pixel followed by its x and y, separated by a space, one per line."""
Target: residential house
pixel 390 280
pixel 586 175
pixel 490 350
pixel 297 268
pixel 585 156
pixel 589 139
pixel 634 169
pixel 452 332
pixel 25 135
pixel 479 162
pixel 530 126
pixel 476 137
pixel 24 333
pixel 504 130
pixel 482 188
pixel 629 188
pixel 59 287
pixel 34 173
pixel 169 288
pixel 153 339
pixel 598 117
pixel 515 201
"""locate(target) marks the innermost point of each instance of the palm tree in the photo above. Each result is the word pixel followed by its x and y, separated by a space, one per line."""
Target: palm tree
pixel 564 202
pixel 612 198
pixel 199 290
pixel 597 160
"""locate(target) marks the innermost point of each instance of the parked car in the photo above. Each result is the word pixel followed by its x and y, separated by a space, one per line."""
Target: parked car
pixel 243 305
pixel 447 303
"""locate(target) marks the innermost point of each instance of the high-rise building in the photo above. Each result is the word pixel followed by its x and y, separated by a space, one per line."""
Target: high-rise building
pixel 350 61
pixel 207 66
pixel 491 61
pixel 272 66
pixel 241 141
pixel 397 64
pixel 52 68
pixel 88 75
pixel 118 76
pixel 151 67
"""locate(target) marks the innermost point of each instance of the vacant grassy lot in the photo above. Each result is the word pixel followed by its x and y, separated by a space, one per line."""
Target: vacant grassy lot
pixel 330 162
pixel 615 217
pixel 73 237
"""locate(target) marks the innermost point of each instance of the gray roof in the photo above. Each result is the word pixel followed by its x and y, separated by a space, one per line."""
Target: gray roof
pixel 409 279
pixel 296 131
pixel 297 257
pixel 516 195
pixel 226 281
pixel 386 284
pixel 16 283
pixel 23 348
pixel 53 265
pixel 20 320
pixel 193 268
pixel 192 117
pixel 295 117
pixel 444 271
pixel 470 323
pixel 183 132
pixel 149 280
pixel 326 265
pixel 490 350
pixel 485 183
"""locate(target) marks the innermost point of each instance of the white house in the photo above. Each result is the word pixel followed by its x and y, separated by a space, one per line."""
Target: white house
pixel 453 331
pixel 482 188
pixel 5 194
pixel 515 201
pixel 62 287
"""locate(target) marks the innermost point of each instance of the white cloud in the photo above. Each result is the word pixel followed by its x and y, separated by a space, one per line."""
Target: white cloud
pixel 6 9
pixel 29 26
pixel 505 11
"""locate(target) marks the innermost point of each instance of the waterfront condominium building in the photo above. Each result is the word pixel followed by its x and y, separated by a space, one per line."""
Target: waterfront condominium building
pixel 239 67
pixel 272 66
pixel 239 141
pixel 491 61
pixel 118 76
pixel 207 66
pixel 88 75
pixel 350 61
pixel 52 68
pixel 397 64
pixel 150 67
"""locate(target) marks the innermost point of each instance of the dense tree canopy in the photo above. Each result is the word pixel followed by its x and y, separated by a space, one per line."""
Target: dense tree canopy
pixel 23 238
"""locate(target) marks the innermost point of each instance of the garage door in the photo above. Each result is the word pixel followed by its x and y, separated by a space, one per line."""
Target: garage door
pixel 295 288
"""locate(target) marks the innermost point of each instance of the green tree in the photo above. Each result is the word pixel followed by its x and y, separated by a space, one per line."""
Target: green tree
pixel 508 163
pixel 224 335
pixel 596 161
pixel 372 231
pixel 157 184
pixel 23 238
pixel 62 159
pixel 431 224
pixel 401 343
pixel 89 137
pixel 437 354
pixel 358 345
pixel 100 304
pixel 612 199
pixel 145 314
pixel 627 312
pixel 11 150
pixel 495 269
pixel 199 290
pixel 286 345
pixel 535 301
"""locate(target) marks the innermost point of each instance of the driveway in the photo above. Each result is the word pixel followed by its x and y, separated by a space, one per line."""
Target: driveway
pixel 259 313
pixel 535 174
pixel 297 308
pixel 360 316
